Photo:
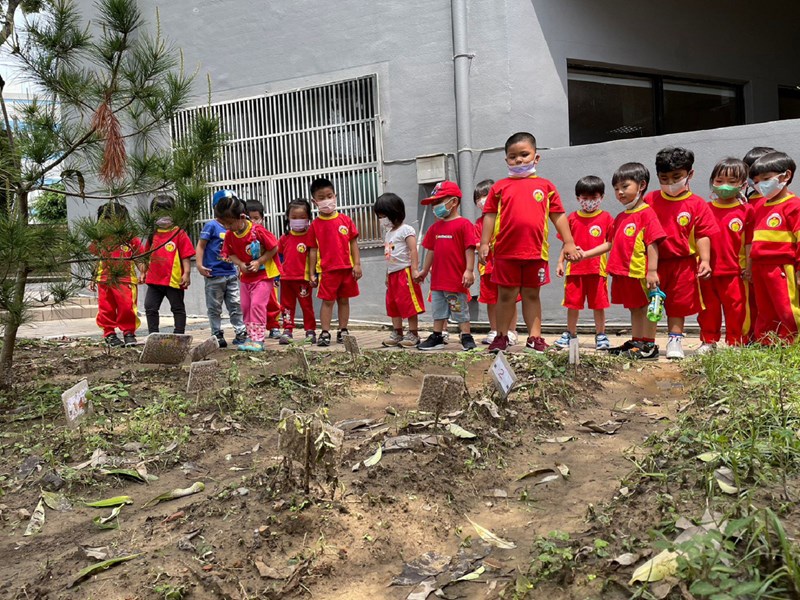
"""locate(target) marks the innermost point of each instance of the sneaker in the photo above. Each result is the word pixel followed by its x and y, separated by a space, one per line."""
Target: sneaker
pixel 324 339
pixel 275 334
pixel 562 343
pixel 409 340
pixel 435 341
pixel 252 346
pixel 674 347
pixel 340 335
pixel 641 351
pixel 240 339
pixel 468 342
pixel 489 337
pixel 113 341
pixel 446 336
pixel 500 342
pixel 286 338
pixel 618 350
pixel 394 339
pixel 130 339
pixel 243 346
pixel 706 348
pixel 536 343
pixel 601 342
pixel 513 338
pixel 311 337
pixel 221 340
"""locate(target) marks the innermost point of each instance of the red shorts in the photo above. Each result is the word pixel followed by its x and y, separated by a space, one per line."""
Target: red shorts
pixel 678 280
pixel 488 290
pixel 403 295
pixel 510 272
pixel 630 292
pixel 336 284
pixel 592 288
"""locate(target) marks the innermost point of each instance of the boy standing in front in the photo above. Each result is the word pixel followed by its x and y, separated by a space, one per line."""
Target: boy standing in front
pixel 450 258
pixel 516 213
pixel 334 255
pixel 221 279
pixel 689 225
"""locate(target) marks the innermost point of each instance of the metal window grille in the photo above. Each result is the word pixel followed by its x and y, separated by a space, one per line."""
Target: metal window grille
pixel 277 144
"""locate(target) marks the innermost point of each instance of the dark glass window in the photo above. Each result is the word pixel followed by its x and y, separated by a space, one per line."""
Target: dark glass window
pixel 788 103
pixel 607 105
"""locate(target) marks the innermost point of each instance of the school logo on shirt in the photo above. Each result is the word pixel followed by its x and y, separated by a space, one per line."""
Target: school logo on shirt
pixel 774 220
pixel 735 225
pixel 538 195
pixel 344 230
pixel 595 231
pixel 301 248
pixel 630 230
pixel 170 247
pixel 684 219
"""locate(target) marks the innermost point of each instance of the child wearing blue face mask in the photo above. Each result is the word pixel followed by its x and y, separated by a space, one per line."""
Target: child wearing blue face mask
pixel 450 243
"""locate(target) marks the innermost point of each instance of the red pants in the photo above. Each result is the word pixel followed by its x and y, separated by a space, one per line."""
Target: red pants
pixel 117 308
pixel 777 300
pixel 273 309
pixel 726 294
pixel 678 278
pixel 291 292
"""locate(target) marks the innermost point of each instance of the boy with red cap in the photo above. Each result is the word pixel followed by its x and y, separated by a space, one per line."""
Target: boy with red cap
pixel 516 216
pixel 450 258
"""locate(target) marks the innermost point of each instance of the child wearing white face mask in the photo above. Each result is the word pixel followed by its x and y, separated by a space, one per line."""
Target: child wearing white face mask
pixel 296 279
pixel 403 293
pixel 586 281
pixel 773 249
pixel 334 251
pixel 685 256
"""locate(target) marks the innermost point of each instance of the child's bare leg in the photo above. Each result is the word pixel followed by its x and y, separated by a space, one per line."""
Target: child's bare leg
pixel 599 320
pixel 439 325
pixel 505 307
pixel 638 323
pixel 413 323
pixel 675 324
pixel 649 327
pixel 326 314
pixel 512 325
pixel 532 311
pixel 572 320
pixel 463 327
pixel 491 310
pixel 344 312
pixel 397 323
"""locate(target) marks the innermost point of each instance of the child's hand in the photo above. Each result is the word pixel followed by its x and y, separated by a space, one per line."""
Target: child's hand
pixel 357 272
pixel 204 271
pixel 570 250
pixel 414 273
pixel 483 253
pixel 313 281
pixel 422 275
pixel 468 278
pixel 185 279
pixel 703 270
pixel 252 266
pixel 577 256
pixel 652 279
pixel 747 275
pixel 560 269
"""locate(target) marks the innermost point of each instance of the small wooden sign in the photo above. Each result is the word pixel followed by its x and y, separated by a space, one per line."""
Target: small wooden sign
pixel 202 376
pixel 574 352
pixel 206 349
pixel 441 393
pixel 502 374
pixel 76 405
pixel 351 345
pixel 166 348
pixel 302 360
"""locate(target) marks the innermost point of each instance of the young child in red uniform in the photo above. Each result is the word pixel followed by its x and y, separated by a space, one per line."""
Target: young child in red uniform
pixel 403 294
pixel 689 225
pixel 516 217
pixel 250 247
pixel 450 258
pixel 488 289
pixel 726 291
pixel 749 159
pixel 586 280
pixel 334 251
pixel 633 259
pixel 296 279
pixel 255 211
pixel 774 237
pixel 115 281
pixel 168 269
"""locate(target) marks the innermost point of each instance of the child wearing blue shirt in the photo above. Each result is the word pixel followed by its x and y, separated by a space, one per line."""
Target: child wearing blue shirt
pixel 221 279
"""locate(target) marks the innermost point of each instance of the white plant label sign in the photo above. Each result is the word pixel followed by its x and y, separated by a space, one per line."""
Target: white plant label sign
pixel 76 405
pixel 502 374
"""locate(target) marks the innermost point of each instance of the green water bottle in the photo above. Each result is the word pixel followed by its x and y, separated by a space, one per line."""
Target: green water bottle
pixel 655 310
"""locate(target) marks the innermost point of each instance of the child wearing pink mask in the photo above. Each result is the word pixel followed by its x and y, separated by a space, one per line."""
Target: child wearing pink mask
pixel 294 247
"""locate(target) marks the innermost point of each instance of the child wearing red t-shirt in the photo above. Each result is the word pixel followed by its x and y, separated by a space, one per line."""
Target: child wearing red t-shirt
pixel 250 247
pixel 168 270
pixel 774 257
pixel 726 291
pixel 633 258
pixel 296 279
pixel 115 280
pixel 450 258
pixel 516 217
pixel 685 256
pixel 255 212
pixel 586 281
pixel 334 252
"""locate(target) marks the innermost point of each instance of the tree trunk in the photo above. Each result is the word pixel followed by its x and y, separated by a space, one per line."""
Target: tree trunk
pixel 15 315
